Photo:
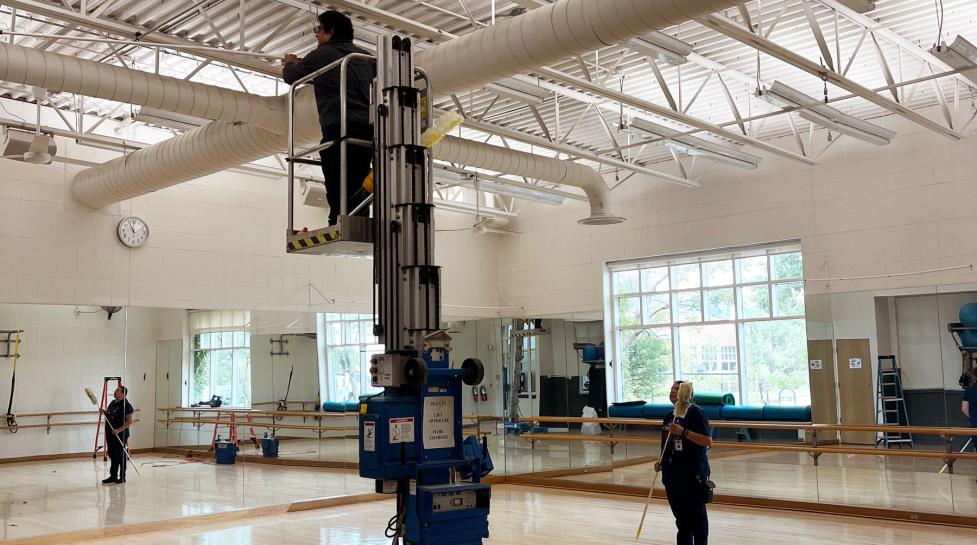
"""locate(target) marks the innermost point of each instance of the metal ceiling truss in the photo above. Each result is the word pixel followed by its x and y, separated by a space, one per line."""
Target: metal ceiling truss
pixel 825 70
pixel 589 91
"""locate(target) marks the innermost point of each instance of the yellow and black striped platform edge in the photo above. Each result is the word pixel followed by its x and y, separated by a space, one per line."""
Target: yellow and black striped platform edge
pixel 312 241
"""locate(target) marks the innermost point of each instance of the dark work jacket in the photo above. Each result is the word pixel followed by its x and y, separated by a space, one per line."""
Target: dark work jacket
pixel 115 414
pixel 359 73
pixel 688 460
pixel 970 395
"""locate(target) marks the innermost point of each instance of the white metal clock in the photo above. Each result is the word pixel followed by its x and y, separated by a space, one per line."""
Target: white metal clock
pixel 133 232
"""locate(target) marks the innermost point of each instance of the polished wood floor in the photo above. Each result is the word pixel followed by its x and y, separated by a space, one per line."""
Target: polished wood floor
pixel 536 516
pixel 40 498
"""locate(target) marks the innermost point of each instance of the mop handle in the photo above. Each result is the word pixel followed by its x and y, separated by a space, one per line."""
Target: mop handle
pixel 125 449
pixel 651 491
pixel 964 449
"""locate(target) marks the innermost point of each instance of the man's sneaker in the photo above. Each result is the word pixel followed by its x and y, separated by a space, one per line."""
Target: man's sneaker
pixel 110 480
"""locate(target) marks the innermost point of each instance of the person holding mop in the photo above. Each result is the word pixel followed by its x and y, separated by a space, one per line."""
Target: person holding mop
pixel 118 420
pixel 684 465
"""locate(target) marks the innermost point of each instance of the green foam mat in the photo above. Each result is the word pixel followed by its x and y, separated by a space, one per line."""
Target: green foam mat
pixel 714 398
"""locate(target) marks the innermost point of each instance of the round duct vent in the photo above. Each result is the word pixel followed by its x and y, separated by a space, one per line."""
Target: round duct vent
pixel 37 157
pixel 602 219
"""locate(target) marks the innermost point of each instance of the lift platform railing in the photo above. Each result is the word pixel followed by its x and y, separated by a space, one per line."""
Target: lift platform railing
pixel 319 237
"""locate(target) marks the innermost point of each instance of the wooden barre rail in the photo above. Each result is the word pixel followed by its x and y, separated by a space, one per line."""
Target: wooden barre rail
pixel 53 414
pixel 272 425
pixel 763 446
pixel 255 412
pixel 658 423
pixel 727 424
pixel 304 414
pixel 50 425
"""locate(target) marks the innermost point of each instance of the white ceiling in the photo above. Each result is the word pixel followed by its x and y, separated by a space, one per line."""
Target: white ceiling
pixel 903 28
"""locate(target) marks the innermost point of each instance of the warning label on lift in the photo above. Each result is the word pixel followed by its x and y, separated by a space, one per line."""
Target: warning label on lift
pixel 369 436
pixel 402 430
pixel 439 412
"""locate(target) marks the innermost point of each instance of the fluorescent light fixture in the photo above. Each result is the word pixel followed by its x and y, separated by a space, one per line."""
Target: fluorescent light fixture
pixel 819 113
pixel 861 6
pixel 661 46
pixel 168 120
pixel 450 176
pixel 524 193
pixel 519 90
pixel 500 186
pixel 692 145
pixel 960 54
pixel 459 176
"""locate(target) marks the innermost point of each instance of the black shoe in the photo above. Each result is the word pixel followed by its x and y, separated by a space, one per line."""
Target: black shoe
pixel 110 480
pixel 120 481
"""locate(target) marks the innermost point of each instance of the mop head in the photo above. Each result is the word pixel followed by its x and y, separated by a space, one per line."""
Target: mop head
pixel 91 395
pixel 685 394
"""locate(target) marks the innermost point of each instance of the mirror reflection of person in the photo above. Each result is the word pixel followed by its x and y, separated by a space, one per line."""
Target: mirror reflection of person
pixel 118 420
pixel 116 510
pixel 969 405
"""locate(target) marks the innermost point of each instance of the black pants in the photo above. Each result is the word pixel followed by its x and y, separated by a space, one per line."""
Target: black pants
pixel 689 509
pixel 118 457
pixel 358 160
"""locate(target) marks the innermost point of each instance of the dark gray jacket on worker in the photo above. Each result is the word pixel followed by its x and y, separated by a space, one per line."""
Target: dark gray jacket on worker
pixel 115 417
pixel 360 74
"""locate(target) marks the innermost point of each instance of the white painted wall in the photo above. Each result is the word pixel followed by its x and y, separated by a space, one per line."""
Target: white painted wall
pixel 269 374
pixel 216 243
pixel 865 210
pixel 62 354
pixel 919 342
pixel 479 339
pixel 928 355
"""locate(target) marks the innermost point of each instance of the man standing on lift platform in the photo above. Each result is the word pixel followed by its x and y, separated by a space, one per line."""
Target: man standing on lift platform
pixel 335 36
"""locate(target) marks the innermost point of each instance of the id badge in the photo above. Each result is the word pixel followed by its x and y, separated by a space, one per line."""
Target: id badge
pixel 678 445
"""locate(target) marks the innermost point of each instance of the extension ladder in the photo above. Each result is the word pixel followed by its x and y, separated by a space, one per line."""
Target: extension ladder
pixel 890 403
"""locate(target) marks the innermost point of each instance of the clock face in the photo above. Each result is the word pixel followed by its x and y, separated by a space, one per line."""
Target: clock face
pixel 133 232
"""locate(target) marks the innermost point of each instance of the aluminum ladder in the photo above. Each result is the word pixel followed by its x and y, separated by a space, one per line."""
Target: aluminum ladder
pixel 890 403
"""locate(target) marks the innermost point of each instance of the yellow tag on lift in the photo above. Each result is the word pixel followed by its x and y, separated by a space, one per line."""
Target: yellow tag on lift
pixel 362 408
